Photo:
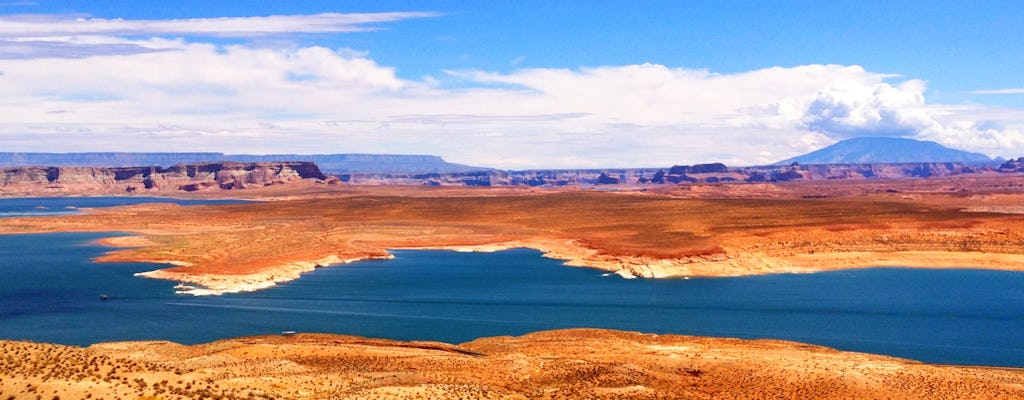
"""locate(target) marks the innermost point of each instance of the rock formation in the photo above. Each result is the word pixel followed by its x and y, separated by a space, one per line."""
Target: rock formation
pixel 1013 165
pixel 182 177
pixel 331 163
pixel 235 175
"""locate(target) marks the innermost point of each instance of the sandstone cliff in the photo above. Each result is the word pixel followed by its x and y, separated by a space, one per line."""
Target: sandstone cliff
pixel 235 175
pixel 182 177
pixel 682 174
pixel 331 163
pixel 1013 165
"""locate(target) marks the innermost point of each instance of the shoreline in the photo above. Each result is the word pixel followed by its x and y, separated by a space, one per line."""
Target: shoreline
pixel 216 249
pixel 573 255
pixel 218 284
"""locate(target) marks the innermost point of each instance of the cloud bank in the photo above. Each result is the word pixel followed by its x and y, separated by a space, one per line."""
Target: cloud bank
pixel 167 94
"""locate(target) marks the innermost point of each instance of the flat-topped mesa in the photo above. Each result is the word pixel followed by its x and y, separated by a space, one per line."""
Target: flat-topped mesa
pixel 712 173
pixel 181 177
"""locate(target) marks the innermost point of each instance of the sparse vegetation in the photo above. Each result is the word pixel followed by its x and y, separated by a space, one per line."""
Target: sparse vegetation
pixel 567 364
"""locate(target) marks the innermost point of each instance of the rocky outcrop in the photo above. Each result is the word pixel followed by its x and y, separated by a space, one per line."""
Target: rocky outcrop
pixel 182 177
pixel 708 168
pixel 796 171
pixel 332 163
pixel 1013 165
pixel 605 179
pixel 791 175
pixel 678 174
pixel 239 175
pixel 534 178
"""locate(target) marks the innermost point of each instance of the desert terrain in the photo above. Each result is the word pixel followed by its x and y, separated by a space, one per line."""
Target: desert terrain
pixel 676 231
pixel 564 364
pixel 672 231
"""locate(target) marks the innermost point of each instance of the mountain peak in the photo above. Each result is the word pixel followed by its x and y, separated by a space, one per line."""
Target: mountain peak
pixel 886 150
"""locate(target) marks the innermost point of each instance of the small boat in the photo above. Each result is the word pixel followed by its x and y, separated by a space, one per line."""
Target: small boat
pixel 287 333
pixel 104 297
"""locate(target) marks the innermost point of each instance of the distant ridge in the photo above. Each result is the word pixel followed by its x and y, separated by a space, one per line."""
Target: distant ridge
pixel 329 163
pixel 884 150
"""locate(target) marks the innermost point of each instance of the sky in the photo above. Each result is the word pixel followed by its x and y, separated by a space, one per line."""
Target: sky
pixel 510 84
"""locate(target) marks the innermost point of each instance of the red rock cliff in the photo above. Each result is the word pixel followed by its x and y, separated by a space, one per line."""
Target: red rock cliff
pixel 182 177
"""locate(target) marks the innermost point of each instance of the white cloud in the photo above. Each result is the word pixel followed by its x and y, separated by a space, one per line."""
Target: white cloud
pixel 999 91
pixel 882 109
pixel 69 36
pixel 864 109
pixel 203 97
pixel 23 49
pixel 48 25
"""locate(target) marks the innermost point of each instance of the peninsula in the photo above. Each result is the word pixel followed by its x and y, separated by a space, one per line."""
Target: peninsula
pixel 677 231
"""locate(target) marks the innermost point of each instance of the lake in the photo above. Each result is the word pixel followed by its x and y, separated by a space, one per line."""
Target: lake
pixel 41 206
pixel 50 292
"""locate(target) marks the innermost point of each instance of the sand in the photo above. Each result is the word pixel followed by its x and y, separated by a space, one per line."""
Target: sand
pixel 563 364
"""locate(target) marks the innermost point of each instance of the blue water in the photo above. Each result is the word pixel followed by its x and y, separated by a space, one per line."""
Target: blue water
pixel 41 206
pixel 49 292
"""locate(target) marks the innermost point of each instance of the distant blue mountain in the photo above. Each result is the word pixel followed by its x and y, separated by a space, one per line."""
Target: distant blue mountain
pixel 885 150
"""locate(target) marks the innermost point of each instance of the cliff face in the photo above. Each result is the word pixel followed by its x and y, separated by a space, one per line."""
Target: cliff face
pixel 183 177
pixel 1013 165
pixel 332 163
pixel 683 174
pixel 568 177
pixel 240 175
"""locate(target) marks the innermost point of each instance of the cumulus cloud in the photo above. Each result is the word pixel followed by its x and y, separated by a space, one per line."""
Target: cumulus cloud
pixel 238 98
pixel 855 108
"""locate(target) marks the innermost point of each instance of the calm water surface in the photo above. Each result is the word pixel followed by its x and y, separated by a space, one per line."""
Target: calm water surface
pixel 40 206
pixel 49 292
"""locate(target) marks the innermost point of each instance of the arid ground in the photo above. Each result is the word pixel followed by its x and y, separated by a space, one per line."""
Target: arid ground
pixel 566 364
pixel 712 230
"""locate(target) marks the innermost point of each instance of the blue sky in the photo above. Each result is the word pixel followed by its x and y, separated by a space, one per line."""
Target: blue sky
pixel 516 83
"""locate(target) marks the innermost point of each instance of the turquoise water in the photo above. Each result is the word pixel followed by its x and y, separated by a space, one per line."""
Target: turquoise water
pixel 49 292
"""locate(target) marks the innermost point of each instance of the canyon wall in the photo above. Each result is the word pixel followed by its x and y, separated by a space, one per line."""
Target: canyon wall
pixel 329 163
pixel 698 173
pixel 182 177
pixel 239 175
